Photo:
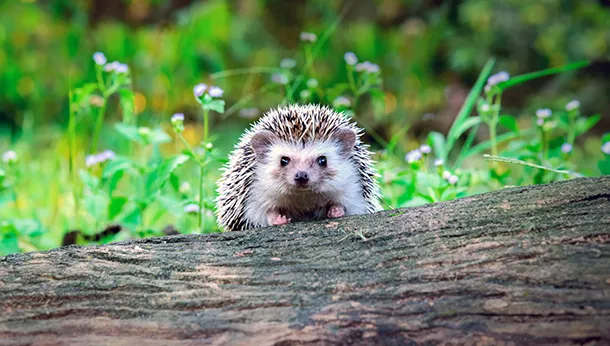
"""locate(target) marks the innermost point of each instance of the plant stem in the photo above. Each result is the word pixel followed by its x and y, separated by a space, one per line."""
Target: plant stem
pixel 493 123
pixel 201 172
pixel 98 127
pixel 206 125
pixel 71 154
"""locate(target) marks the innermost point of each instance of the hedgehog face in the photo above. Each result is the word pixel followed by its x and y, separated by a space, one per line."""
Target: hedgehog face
pixel 319 167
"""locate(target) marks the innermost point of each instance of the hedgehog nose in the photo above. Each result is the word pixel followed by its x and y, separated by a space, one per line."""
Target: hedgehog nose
pixel 301 177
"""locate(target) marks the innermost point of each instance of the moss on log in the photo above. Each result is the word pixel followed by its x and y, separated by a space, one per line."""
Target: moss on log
pixel 527 265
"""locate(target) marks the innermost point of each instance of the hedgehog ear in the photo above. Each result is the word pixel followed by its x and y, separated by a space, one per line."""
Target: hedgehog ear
pixel 347 140
pixel 261 141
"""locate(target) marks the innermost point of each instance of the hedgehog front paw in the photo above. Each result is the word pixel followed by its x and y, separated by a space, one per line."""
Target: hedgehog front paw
pixel 335 211
pixel 276 219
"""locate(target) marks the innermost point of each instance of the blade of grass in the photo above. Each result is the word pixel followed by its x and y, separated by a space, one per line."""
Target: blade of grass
pixel 537 74
pixel 468 105
pixel 529 164
pixel 479 148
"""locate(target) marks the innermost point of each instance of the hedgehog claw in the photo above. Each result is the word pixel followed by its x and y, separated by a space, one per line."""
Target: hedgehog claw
pixel 278 219
pixel 335 211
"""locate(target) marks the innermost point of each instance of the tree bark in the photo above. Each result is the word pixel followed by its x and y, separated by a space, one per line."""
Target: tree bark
pixel 525 265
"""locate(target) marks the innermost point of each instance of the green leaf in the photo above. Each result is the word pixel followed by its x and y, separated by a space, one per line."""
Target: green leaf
pixel 133 217
pixel 9 244
pixel 129 131
pixel 116 206
pixel 436 141
pixel 118 164
pixel 604 165
pixel 483 146
pixel 537 74
pixel 126 100
pixel 217 106
pixel 509 122
pixel 157 178
pixel 159 136
pixel 463 127
pixel 171 205
pixel 28 227
pixel 606 138
pixel 90 181
pixel 585 124
pixel 468 105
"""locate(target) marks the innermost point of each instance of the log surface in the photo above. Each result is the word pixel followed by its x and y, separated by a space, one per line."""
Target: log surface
pixel 527 265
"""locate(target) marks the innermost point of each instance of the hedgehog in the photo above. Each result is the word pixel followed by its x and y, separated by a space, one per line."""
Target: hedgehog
pixel 297 163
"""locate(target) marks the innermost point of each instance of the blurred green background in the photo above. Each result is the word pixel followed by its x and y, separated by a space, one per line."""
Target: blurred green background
pixel 430 53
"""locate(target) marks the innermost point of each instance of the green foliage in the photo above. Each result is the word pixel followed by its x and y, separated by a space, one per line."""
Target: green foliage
pixel 122 157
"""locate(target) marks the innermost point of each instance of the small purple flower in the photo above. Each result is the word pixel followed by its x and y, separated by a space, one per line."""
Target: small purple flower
pixel 367 66
pixel 91 160
pixel 279 78
pixel 606 148
pixel 572 105
pixel 9 156
pixel 288 63
pixel 438 162
pixel 540 121
pixel 373 68
pixel 497 78
pixel 178 117
pixel 199 89
pixel 121 68
pixel 99 58
pixel 106 155
pixel 94 159
pixel 425 148
pixel 543 113
pixel 566 148
pixel 350 58
pixel 342 101
pixel 191 208
pixel 215 91
pixel 446 175
pixel 308 37
pixel 413 156
pixel 112 66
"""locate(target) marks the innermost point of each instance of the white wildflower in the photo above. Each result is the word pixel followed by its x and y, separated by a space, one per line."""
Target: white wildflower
pixel 9 156
pixel 544 113
pixel 606 148
pixel 453 179
pixel 350 58
pixel 99 58
pixel 438 162
pixel 566 148
pixel 192 208
pixel 425 149
pixel 572 105
pixel 308 37
pixel 413 156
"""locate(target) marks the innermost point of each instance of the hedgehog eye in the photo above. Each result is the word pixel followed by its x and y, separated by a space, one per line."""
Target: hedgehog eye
pixel 321 161
pixel 284 161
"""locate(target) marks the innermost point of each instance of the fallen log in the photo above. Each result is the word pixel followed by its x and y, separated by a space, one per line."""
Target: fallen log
pixel 525 265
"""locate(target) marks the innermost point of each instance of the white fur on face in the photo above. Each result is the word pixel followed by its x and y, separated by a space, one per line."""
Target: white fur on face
pixel 274 187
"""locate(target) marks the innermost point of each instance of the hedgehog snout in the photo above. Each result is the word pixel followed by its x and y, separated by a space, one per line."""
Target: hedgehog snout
pixel 301 178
